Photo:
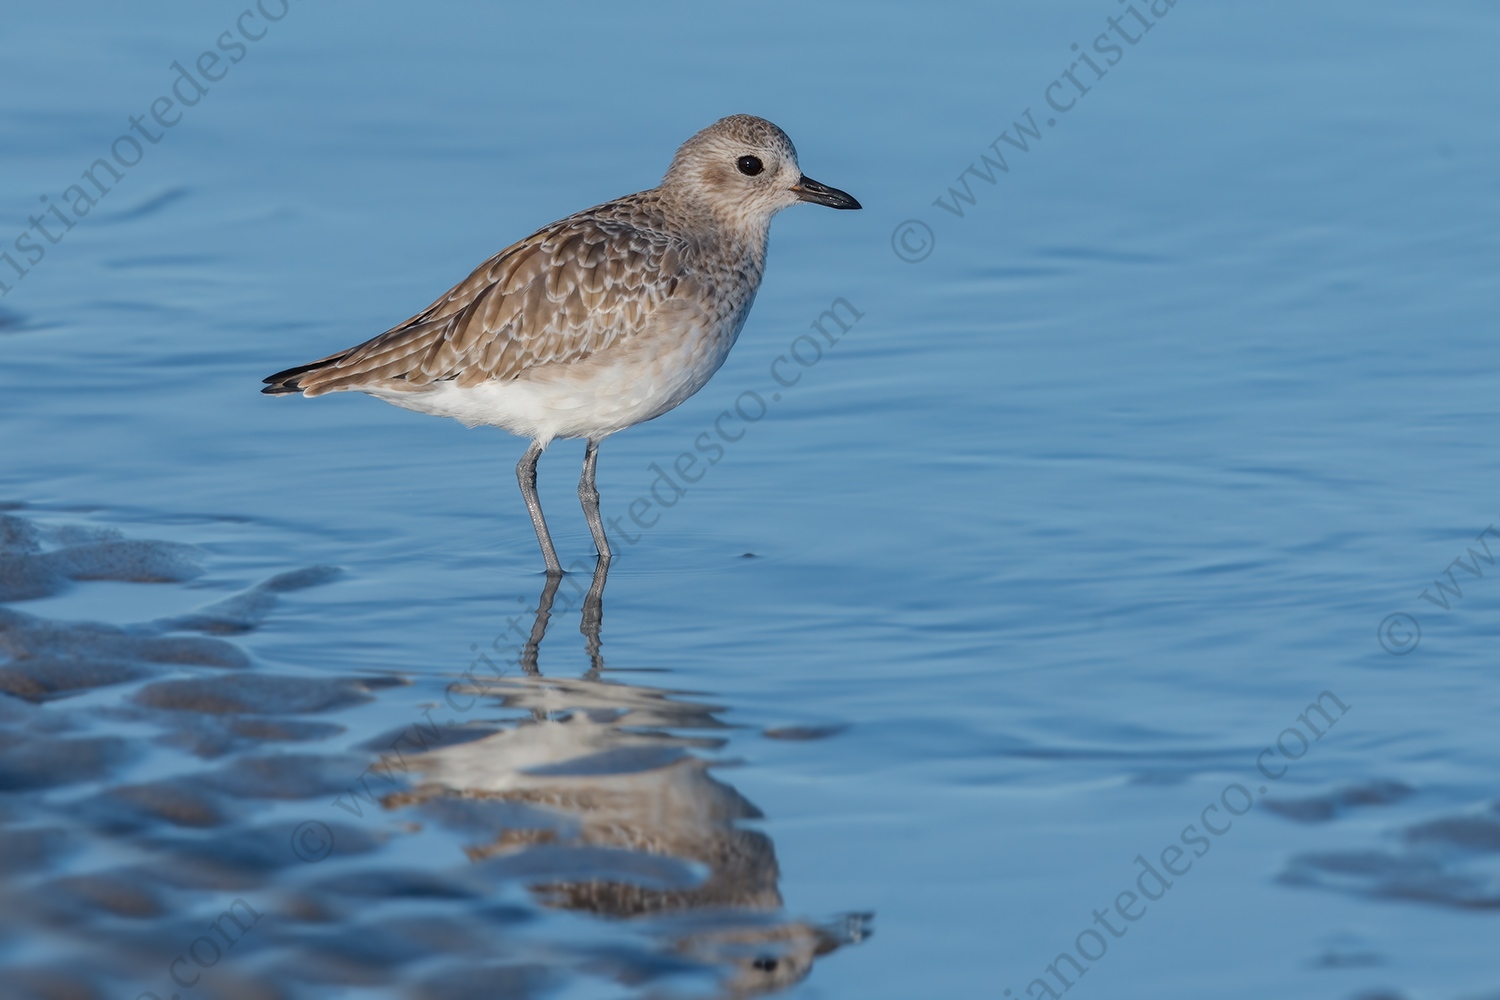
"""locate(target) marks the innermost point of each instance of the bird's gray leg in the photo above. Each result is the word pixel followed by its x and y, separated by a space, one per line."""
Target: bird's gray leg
pixel 588 495
pixel 526 476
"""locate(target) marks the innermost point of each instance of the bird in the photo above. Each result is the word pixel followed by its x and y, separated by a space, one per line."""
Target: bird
pixel 595 323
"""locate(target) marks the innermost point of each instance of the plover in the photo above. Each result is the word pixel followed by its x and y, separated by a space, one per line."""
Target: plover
pixel 598 322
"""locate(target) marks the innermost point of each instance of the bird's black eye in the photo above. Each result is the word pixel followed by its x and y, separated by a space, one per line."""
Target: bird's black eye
pixel 764 964
pixel 749 165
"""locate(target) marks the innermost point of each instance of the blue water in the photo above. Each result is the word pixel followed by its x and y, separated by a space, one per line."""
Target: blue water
pixel 1080 516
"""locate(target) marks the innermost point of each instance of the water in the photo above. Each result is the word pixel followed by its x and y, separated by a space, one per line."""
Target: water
pixel 1084 511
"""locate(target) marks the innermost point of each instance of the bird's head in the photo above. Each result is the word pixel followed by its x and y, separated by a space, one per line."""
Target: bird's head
pixel 744 170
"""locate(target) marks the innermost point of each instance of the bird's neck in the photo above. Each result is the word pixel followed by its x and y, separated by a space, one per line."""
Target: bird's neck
pixel 741 232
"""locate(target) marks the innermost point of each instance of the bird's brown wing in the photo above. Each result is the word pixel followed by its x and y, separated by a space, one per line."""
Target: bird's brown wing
pixel 557 296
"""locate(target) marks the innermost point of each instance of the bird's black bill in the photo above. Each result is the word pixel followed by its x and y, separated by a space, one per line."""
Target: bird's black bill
pixel 821 194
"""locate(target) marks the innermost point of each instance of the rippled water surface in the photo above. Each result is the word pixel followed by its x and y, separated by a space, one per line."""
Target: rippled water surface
pixel 1109 610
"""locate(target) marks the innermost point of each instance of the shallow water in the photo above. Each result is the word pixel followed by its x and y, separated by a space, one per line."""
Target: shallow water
pixel 1088 507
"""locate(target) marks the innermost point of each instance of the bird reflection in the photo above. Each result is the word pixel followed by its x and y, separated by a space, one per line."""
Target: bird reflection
pixel 596 800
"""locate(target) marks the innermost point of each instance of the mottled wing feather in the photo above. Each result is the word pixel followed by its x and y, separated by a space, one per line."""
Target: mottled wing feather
pixel 558 296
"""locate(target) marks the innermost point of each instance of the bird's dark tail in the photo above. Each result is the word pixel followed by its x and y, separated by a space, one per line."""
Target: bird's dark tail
pixel 290 381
